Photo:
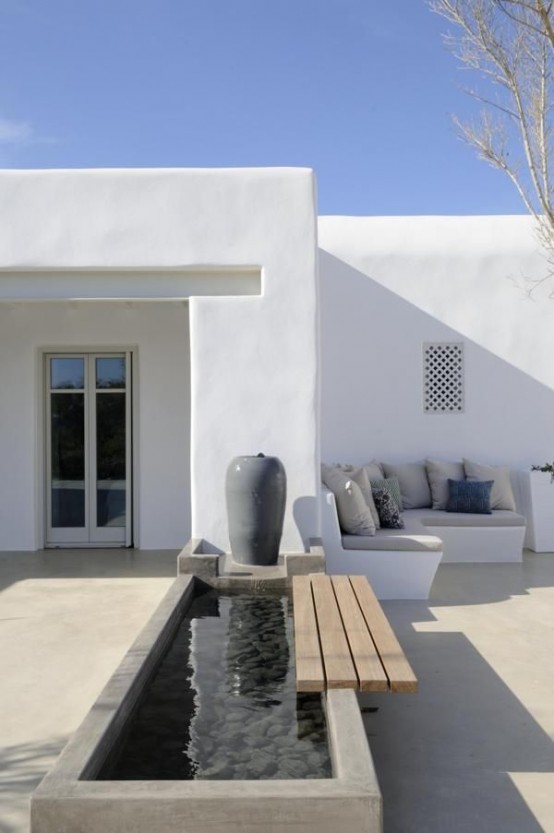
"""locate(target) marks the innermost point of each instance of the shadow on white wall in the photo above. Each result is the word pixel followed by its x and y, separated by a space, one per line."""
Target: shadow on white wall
pixel 372 383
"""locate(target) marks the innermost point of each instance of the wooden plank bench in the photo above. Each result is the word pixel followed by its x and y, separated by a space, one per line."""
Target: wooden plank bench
pixel 343 638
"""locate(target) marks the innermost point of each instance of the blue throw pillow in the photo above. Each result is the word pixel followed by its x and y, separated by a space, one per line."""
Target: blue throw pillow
pixel 469 496
pixel 387 509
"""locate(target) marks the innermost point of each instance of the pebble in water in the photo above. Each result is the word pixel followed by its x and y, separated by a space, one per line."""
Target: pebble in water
pixel 223 703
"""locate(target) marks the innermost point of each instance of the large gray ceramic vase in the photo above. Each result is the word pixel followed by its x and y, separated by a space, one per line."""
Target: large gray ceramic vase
pixel 256 492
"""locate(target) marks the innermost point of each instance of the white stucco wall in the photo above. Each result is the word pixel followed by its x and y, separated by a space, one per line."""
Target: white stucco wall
pixel 158 333
pixel 389 284
pixel 253 359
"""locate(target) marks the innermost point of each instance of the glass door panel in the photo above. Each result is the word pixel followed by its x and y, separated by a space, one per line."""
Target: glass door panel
pixel 111 446
pixel 67 373
pixel 88 449
pixel 66 499
pixel 68 460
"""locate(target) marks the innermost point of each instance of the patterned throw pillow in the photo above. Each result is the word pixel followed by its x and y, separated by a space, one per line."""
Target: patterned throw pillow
pixel 469 496
pixel 389 513
pixel 390 485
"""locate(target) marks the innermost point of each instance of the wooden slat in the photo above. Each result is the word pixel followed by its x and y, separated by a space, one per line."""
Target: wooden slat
pixel 397 667
pixel 339 669
pixel 369 669
pixel 309 666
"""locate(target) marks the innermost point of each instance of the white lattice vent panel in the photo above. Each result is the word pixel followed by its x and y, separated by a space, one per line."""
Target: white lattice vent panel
pixel 443 378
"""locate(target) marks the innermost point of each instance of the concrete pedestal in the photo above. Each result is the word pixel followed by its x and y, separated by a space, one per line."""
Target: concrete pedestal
pixel 537 503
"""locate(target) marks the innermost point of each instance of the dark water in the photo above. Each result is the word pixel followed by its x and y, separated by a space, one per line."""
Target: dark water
pixel 223 704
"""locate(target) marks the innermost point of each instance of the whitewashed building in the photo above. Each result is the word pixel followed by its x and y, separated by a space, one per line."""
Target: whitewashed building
pixel 156 323
pixel 396 293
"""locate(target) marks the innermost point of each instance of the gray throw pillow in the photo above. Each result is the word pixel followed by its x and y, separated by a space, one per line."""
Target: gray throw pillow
pixel 502 495
pixel 354 515
pixel 359 476
pixel 414 486
pixel 374 470
pixel 438 473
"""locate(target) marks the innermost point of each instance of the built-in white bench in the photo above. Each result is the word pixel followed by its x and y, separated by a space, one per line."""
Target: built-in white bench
pixel 467 537
pixel 401 563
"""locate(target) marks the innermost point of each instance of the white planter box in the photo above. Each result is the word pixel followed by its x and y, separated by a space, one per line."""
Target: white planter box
pixel 537 504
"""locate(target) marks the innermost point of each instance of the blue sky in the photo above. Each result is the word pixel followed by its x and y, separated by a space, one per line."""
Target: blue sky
pixel 360 90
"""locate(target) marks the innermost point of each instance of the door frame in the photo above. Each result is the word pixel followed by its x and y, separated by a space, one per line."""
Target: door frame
pixel 43 413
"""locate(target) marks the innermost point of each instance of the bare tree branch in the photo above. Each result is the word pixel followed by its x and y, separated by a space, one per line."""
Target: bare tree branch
pixel 510 46
pixel 536 15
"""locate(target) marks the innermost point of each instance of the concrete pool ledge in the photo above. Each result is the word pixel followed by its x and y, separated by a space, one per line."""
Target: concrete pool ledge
pixel 69 800
pixel 217 568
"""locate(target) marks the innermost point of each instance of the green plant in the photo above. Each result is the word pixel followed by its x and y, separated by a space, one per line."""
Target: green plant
pixel 549 467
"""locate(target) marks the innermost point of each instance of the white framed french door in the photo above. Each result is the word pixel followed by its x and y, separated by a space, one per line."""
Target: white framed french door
pixel 88 449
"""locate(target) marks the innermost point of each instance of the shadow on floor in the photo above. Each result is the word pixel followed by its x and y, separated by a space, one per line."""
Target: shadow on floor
pixel 455 584
pixel 22 768
pixel 443 756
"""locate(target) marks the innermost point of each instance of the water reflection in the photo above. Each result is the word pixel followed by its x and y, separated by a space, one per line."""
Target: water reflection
pixel 257 657
pixel 223 702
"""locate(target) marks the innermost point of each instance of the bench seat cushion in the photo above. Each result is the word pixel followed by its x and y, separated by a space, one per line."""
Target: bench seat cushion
pixel 438 517
pixel 414 537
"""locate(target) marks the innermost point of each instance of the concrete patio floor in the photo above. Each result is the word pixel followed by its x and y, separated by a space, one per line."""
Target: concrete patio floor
pixel 472 752
pixel 67 617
